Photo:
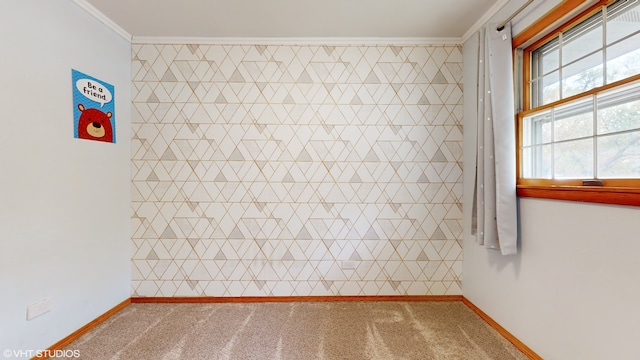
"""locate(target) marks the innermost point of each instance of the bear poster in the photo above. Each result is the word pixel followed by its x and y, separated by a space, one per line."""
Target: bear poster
pixel 93 108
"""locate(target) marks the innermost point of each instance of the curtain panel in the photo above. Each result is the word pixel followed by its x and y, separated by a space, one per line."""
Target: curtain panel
pixel 494 214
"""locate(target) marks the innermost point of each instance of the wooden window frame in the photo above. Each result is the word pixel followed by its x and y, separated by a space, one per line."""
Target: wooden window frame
pixel 610 191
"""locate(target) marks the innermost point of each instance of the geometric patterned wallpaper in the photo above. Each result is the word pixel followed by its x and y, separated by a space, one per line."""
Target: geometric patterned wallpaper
pixel 296 170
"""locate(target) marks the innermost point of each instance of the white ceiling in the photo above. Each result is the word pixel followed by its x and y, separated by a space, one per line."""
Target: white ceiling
pixel 295 18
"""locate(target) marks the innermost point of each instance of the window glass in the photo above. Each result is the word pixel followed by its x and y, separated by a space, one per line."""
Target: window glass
pixel 537 160
pixel 582 40
pixel 573 121
pixel 550 91
pixel 582 75
pixel 573 159
pixel 623 59
pixel 545 73
pixel 597 134
pixel 619 156
pixel 537 129
pixel 549 57
pixel 623 20
pixel 619 110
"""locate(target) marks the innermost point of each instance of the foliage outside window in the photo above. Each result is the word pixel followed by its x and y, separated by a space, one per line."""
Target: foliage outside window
pixel 580 128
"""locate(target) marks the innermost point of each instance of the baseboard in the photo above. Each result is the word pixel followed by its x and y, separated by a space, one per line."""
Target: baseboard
pixel 256 299
pixel 502 331
pixel 83 330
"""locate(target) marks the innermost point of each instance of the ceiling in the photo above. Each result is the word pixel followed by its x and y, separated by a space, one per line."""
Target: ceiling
pixel 295 18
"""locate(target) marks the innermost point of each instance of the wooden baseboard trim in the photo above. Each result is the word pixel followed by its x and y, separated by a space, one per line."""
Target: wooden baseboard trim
pixel 502 331
pixel 256 299
pixel 83 330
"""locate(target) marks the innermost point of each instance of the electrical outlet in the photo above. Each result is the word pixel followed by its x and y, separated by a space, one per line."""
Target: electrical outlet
pixel 38 309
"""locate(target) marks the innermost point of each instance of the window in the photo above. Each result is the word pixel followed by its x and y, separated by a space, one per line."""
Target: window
pixel 579 132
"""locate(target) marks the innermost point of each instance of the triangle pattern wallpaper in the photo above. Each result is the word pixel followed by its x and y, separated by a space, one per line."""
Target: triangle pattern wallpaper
pixel 296 170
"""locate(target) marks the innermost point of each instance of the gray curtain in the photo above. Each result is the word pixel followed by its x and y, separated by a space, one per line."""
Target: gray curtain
pixel 494 216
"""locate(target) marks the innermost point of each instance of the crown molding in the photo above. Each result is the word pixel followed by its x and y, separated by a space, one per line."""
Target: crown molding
pixel 483 19
pixel 337 41
pixel 103 19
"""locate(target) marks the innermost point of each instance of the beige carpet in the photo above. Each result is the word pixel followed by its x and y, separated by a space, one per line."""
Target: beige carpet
pixel 325 330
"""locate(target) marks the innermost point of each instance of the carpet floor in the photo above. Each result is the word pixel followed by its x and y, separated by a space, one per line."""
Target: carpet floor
pixel 323 330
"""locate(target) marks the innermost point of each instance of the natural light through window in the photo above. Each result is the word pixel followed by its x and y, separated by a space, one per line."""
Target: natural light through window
pixel 582 120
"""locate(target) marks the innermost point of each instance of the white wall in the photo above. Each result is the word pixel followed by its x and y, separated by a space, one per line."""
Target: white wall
pixel 573 290
pixel 64 202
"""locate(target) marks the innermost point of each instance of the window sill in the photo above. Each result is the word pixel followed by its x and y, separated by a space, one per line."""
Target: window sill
pixel 592 194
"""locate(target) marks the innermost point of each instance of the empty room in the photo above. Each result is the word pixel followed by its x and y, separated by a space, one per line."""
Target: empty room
pixel 354 179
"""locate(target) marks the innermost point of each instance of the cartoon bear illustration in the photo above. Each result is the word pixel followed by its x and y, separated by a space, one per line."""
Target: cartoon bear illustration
pixel 94 125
